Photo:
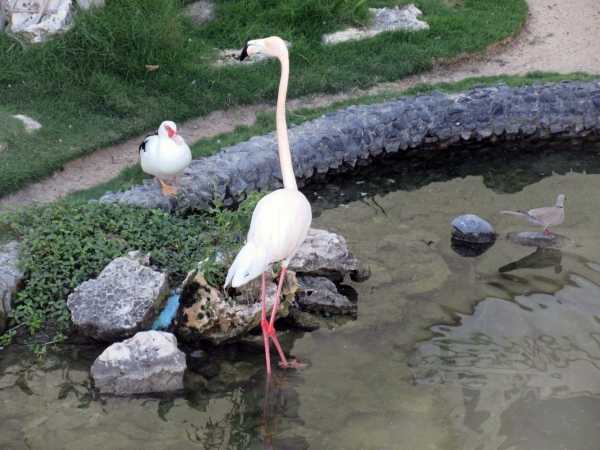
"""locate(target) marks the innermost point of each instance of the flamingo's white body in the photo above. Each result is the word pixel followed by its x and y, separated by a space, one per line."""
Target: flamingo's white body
pixel 165 155
pixel 281 219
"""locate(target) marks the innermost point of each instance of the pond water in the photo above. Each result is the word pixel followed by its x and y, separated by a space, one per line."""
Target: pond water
pixel 446 352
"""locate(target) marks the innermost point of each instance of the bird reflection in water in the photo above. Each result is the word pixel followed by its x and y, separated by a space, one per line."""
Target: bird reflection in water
pixel 280 406
pixel 540 259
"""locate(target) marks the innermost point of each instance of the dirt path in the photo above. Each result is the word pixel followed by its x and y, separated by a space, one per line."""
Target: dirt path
pixel 560 36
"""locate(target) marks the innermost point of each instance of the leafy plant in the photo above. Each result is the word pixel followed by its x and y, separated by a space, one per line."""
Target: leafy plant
pixel 68 242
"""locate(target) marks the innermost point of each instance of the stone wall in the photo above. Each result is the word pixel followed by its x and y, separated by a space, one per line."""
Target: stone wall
pixel 340 140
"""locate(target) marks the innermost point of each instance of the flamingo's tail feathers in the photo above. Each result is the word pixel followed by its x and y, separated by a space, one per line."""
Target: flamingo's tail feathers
pixel 250 262
pixel 513 213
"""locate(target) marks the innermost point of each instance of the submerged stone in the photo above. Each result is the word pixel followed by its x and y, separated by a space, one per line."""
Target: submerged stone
pixel 319 294
pixel 303 320
pixel 125 298
pixel 148 362
pixel 471 228
pixel 470 249
pixel 538 239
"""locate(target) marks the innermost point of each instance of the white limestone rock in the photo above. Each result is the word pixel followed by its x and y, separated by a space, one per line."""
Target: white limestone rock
pixel 35 21
pixel 10 275
pixel 384 19
pixel 30 124
pixel 326 254
pixel 90 4
pixel 148 362
pixel 125 298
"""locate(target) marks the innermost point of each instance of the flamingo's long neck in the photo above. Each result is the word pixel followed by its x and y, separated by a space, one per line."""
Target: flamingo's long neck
pixel 285 156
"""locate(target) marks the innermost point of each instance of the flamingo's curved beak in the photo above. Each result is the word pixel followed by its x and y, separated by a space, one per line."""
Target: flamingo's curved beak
pixel 251 47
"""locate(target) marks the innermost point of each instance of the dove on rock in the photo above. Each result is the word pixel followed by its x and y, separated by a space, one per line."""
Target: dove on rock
pixel 549 216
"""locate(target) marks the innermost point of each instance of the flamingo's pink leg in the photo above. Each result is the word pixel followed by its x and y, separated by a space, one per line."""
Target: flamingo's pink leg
pixel 271 328
pixel 264 324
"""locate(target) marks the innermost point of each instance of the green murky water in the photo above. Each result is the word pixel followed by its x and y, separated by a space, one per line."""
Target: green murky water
pixel 446 352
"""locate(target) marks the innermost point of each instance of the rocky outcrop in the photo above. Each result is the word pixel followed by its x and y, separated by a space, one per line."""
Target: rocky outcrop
pixel 148 362
pixel 384 19
pixel 126 298
pixel 326 254
pixel 319 294
pixel 341 140
pixel 37 21
pixel 206 313
pixel 10 275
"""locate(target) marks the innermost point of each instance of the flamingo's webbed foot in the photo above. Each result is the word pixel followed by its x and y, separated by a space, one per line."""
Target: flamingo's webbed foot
pixel 293 364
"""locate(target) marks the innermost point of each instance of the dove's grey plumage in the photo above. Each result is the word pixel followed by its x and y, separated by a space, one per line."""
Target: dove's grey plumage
pixel 549 216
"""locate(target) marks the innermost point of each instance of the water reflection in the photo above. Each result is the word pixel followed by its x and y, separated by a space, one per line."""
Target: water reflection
pixel 506 167
pixel 540 259
pixel 548 345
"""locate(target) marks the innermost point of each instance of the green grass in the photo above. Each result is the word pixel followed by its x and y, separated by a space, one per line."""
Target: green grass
pixel 91 88
pixel 265 123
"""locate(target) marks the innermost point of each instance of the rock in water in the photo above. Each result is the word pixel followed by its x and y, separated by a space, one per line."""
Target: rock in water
pixel 206 313
pixel 538 239
pixel 327 254
pixel 125 298
pixel 318 294
pixel 10 276
pixel 148 362
pixel 471 228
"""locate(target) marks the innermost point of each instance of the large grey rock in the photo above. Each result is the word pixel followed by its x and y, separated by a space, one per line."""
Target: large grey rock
pixel 326 254
pixel 319 294
pixel 10 275
pixel 206 313
pixel 148 362
pixel 472 228
pixel 125 298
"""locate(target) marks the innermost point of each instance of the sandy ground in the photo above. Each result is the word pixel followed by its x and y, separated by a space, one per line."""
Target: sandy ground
pixel 560 36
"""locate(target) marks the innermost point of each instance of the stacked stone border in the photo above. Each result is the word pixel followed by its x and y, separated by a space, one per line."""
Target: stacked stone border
pixel 340 140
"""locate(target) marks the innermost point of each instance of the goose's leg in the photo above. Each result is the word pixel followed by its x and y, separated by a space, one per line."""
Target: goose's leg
pixel 168 190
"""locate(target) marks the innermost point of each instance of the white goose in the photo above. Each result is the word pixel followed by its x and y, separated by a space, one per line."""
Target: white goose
pixel 165 155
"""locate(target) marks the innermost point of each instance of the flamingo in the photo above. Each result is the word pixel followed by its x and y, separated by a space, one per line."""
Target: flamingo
pixel 281 219
pixel 165 155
